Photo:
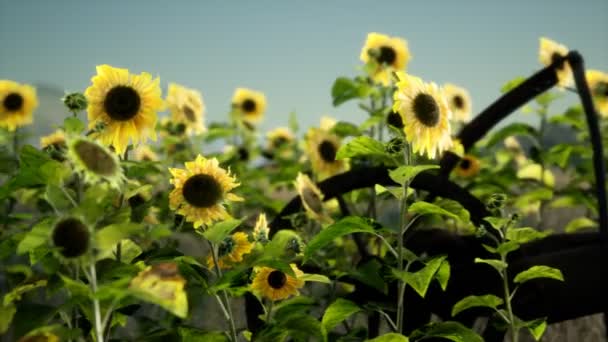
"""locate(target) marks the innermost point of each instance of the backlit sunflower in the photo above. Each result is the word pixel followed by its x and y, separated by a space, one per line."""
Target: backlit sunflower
pixel 231 250
pixel 278 141
pixel 201 191
pixel 425 113
pixel 549 52
pixel 249 105
pixel 95 161
pixel 598 84
pixel 321 148
pixel 55 140
pixel 261 231
pixel 17 103
pixel 126 104
pixel 276 285
pixel 459 102
pixel 312 199
pixel 467 167
pixel 144 153
pixel 389 53
pixel 186 106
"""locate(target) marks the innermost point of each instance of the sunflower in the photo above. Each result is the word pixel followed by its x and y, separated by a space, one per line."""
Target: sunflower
pixel 468 166
pixel 40 337
pixel 186 106
pixel 598 84
pixel 71 236
pixel 276 285
pixel 425 113
pixel 327 123
pixel 459 102
pixel 162 284
pixel 125 104
pixel 55 140
pixel 312 199
pixel 549 52
pixel 322 147
pixel 388 53
pixel 279 137
pixel 95 161
pixel 249 104
pixel 201 191
pixel 261 231
pixel 144 153
pixel 231 250
pixel 18 103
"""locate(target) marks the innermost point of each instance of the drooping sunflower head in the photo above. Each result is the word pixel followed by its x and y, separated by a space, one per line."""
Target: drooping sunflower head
pixel 186 106
pixel 468 167
pixel 126 104
pixel 598 84
pixel 261 231
pixel 549 52
pixel 387 53
pixel 394 119
pixel 201 190
pixel 144 153
pixel 312 198
pixel 162 284
pixel 17 103
pixel 54 140
pixel 275 284
pixel 459 102
pixel 231 250
pixel 425 113
pixel 321 148
pixel 249 105
pixel 71 236
pixel 96 162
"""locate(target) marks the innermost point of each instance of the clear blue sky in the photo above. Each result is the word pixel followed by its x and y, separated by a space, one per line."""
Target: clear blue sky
pixel 290 50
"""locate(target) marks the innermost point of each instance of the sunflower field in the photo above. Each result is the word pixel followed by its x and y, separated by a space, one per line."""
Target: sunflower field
pixel 129 224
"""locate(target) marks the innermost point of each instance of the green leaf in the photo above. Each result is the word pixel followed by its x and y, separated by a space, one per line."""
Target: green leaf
pixel 533 172
pixel 191 334
pixel 361 146
pixel 347 225
pixel 497 222
pixel 393 190
pixel 559 155
pixel 546 98
pixel 420 280
pixel 507 247
pixel 337 312
pixel 38 236
pixel 443 274
pixel 6 317
pixel 390 337
pixel 73 125
pixel 512 84
pixel 537 327
pixel 54 172
pixel 540 194
pixel 579 223
pixel 302 327
pixel 498 265
pixel 425 208
pixel 319 278
pixel 345 89
pixel 370 274
pixel 344 129
pixel 57 198
pixel 538 271
pixel 452 331
pixel 513 129
pixel 488 301
pixel 405 173
pixel 455 208
pixel 76 287
pixel 16 293
pixel 219 231
pixel 525 234
pixel 109 236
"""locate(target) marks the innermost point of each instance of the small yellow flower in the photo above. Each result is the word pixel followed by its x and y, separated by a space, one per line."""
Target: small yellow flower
pixel 276 285
pixel 231 250
pixel 468 167
pixel 425 113
pixel 95 162
pixel 321 148
pixel 261 231
pixel 201 191
pixel 144 153
pixel 17 103
pixel 249 104
pixel 162 284
pixel 389 53
pixel 549 51
pixel 459 102
pixel 55 139
pixel 598 84
pixel 186 106
pixel 312 199
pixel 126 105
pixel 457 148
pixel 279 137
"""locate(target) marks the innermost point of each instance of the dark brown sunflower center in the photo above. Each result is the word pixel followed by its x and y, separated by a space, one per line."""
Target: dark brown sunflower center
pixel 312 200
pixel 387 55
pixel 243 154
pixel 426 110
pixel 465 164
pixel 72 237
pixel 13 102
pixel 601 89
pixel 202 191
pixel 327 150
pixel 556 57
pixel 280 141
pixel 122 103
pixel 277 279
pixel 189 113
pixel 394 119
pixel 95 159
pixel 248 106
pixel 458 101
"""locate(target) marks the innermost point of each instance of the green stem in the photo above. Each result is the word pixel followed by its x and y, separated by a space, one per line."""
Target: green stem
pixel 505 285
pixel 96 309
pixel 403 226
pixel 226 304
pixel 269 312
pixel 16 143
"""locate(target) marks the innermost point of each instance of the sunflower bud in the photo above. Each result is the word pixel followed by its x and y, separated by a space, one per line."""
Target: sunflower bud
pixel 395 146
pixel 496 201
pixel 76 102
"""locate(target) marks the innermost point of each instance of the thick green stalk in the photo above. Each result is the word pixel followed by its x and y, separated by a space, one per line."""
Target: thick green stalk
pixel 403 226
pixel 507 292
pixel 96 309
